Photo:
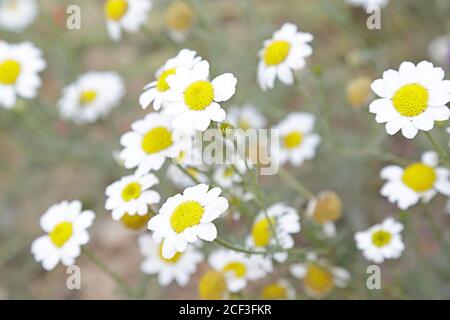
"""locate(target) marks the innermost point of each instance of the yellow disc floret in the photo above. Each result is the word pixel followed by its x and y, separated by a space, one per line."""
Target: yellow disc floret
pixel 276 52
pixel 292 139
pixel 87 96
pixel 162 84
pixel 212 286
pixel 411 100
pixel 381 238
pixel 172 260
pixel 9 72
pixel 419 177
pixel 156 140
pixel 116 9
pixel 179 16
pixel 274 291
pixel 61 233
pixel 131 191
pixel 318 280
pixel 135 221
pixel 238 268
pixel 199 95
pixel 186 215
pixel 327 208
pixel 261 232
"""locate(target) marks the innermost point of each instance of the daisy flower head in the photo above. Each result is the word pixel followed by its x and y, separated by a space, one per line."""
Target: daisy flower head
pixel 66 226
pixel 91 97
pixel 246 117
pixel 213 286
pixel 411 99
pixel 195 100
pixel 368 3
pixel 150 142
pixel 17 15
pixel 179 268
pixel 239 268
pixel 20 65
pixel 298 142
pixel 131 195
pixel 280 289
pixel 419 181
pixel 128 15
pixel 179 18
pixel 156 91
pixel 381 241
pixel 282 219
pixel 325 209
pixel 283 54
pixel 185 217
pixel 319 277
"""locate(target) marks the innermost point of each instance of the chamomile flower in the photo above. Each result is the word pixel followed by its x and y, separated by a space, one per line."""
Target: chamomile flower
pixel 17 15
pixel 319 277
pixel 281 289
pixel 411 99
pixel 128 15
pixel 180 17
pixel 246 117
pixel 179 268
pixel 368 3
pixel 156 91
pixel 281 218
pixel 213 286
pixel 229 175
pixel 381 241
pixel 420 181
pixel 325 209
pixel 238 268
pixel 185 217
pixel 91 97
pixel 131 195
pixel 65 224
pixel 20 65
pixel 283 54
pixel 194 99
pixel 298 142
pixel 150 142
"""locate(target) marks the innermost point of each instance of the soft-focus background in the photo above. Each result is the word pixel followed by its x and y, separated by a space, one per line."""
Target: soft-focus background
pixel 44 160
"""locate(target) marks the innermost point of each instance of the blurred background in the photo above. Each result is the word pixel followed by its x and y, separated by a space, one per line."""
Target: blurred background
pixel 44 160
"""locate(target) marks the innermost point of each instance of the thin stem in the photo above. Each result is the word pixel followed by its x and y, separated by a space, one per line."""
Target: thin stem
pixel 234 247
pixel 186 172
pixel 295 184
pixel 439 149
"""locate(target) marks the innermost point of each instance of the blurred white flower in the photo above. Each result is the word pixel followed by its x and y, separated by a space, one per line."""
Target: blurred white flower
pixel 281 289
pixel 411 99
pixel 439 51
pixel 246 117
pixel 20 65
pixel 17 15
pixel 418 181
pixel 282 54
pixel 66 226
pixel 91 97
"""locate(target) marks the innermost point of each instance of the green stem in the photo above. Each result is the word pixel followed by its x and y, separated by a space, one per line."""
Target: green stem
pixel 295 184
pixel 439 149
pixel 194 179
pixel 234 247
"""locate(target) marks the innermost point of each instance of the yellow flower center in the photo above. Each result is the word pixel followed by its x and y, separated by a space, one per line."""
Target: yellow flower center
pixel 238 268
pixel 87 96
pixel 156 140
pixel 228 172
pixel 162 84
pixel 276 52
pixel 212 286
pixel 61 233
pixel 293 139
pixel 115 9
pixel 411 100
pixel 328 207
pixel 9 72
pixel 244 124
pixel 319 280
pixel 274 291
pixel 261 232
pixel 179 16
pixel 131 191
pixel 186 215
pixel 381 238
pixel 135 221
pixel 419 177
pixel 172 260
pixel 193 172
pixel 199 95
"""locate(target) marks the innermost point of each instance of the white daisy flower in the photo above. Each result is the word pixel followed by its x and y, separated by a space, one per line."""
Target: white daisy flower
pixel 319 277
pixel 66 226
pixel 283 54
pixel 246 117
pixel 91 97
pixel 184 217
pixel 439 50
pixel 194 99
pixel 19 68
pixel 298 142
pixel 284 219
pixel 281 289
pixel 131 195
pixel 381 241
pixel 420 181
pixel 16 15
pixel 128 15
pixel 411 99
pixel 179 268
pixel 156 91
pixel 239 268
pixel 368 3
pixel 150 142
pixel 179 17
